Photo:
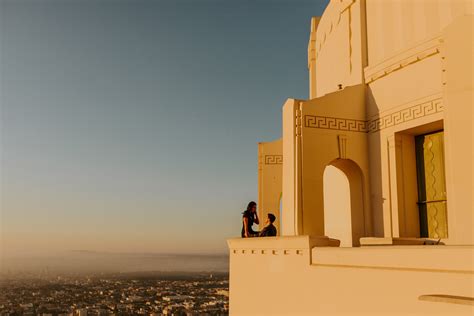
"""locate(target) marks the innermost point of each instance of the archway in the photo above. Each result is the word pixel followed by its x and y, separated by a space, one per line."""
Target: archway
pixel 343 202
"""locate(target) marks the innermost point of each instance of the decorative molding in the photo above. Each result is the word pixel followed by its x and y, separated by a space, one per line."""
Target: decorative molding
pixel 276 252
pixel 405 115
pixel 402 60
pixel 342 142
pixel 377 124
pixel 335 123
pixel 273 159
pixel 298 121
pixel 330 21
pixel 349 13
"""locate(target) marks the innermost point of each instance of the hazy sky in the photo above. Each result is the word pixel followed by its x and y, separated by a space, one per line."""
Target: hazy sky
pixel 132 126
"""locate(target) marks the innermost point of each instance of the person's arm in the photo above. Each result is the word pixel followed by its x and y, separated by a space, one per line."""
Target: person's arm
pixel 246 228
pixel 256 219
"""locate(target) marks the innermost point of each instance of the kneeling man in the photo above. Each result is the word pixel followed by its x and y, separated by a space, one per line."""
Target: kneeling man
pixel 269 230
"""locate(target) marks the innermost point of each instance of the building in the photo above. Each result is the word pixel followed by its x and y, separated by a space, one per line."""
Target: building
pixel 372 180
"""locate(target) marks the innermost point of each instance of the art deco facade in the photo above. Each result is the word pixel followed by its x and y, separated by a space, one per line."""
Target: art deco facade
pixel 379 160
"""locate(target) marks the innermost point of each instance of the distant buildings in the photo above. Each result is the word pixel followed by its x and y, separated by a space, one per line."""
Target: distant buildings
pixel 81 312
pixel 114 295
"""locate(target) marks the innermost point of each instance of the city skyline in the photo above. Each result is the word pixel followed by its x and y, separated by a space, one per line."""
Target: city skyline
pixel 132 126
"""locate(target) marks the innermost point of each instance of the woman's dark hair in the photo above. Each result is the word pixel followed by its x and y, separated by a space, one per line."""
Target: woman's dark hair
pixel 251 205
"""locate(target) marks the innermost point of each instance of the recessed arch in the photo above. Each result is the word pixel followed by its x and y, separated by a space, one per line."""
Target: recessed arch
pixel 344 202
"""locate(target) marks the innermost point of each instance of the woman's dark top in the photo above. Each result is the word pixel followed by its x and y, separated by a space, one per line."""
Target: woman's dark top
pixel 251 218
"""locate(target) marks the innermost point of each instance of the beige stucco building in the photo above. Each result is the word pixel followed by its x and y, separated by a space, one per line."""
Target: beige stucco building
pixel 379 160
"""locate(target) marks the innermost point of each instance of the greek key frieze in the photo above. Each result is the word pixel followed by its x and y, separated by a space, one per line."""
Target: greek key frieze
pixel 371 126
pixel 273 159
pixel 335 123
pixel 405 115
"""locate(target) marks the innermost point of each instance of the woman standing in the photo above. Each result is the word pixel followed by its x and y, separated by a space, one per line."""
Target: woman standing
pixel 248 218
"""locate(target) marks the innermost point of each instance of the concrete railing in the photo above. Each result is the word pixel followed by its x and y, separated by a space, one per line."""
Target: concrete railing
pixel 301 275
pixel 279 245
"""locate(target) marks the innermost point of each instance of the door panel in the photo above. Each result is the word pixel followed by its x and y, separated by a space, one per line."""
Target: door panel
pixel 432 185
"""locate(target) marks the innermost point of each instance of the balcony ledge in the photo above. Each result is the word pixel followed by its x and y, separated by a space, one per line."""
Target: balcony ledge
pixel 282 242
pixel 448 259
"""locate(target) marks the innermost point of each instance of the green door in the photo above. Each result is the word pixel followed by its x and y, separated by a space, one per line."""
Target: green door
pixel 431 185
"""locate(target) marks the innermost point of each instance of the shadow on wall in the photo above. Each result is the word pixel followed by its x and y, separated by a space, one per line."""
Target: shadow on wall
pixel 375 172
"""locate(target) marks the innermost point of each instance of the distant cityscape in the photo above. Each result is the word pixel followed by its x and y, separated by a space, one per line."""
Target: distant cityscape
pixel 142 293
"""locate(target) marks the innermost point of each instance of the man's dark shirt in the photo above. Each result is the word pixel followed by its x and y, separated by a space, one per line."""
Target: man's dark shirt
pixel 268 231
pixel 250 220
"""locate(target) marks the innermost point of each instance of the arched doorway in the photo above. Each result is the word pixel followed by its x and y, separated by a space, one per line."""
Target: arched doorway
pixel 343 202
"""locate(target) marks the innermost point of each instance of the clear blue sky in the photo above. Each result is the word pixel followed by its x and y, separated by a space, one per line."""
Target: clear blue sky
pixel 133 125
